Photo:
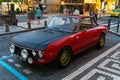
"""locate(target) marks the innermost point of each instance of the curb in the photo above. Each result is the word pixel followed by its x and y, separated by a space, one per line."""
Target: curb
pixel 114 33
pixel 7 33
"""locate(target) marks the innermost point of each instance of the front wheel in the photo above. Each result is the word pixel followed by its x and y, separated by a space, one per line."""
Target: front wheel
pixel 64 57
pixel 101 41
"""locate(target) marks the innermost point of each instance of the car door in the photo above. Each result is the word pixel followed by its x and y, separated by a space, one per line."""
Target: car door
pixel 82 38
pixel 88 34
pixel 77 42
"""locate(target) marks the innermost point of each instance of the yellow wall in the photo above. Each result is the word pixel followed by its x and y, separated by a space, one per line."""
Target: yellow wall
pixel 110 4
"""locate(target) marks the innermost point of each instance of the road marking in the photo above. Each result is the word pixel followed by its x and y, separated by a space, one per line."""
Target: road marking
pixel 116 66
pixel 115 55
pixel 115 25
pixel 101 78
pixel 13 71
pixel 90 63
pixel 17 65
pixel 103 65
pixel 6 57
pixel 27 71
pixel 10 60
pixel 113 38
pixel 94 71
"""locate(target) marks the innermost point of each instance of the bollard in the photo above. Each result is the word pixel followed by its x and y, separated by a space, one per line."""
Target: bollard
pixel 45 23
pixel 29 25
pixel 7 28
pixel 118 26
pixel 109 21
pixel 16 22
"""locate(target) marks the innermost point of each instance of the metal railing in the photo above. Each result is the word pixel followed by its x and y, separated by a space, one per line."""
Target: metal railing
pixel 116 27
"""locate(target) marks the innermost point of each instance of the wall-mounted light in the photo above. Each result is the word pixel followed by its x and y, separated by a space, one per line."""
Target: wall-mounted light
pixel 62 3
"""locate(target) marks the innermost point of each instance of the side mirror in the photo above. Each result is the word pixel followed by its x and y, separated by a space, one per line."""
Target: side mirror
pixel 45 23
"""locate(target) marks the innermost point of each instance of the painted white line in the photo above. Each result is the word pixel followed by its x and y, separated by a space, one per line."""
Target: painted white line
pixel 103 65
pixel 116 66
pixel 115 55
pixel 27 71
pixel 101 78
pixel 10 60
pixel 90 63
pixel 17 65
pixel 3 56
pixel 94 71
pixel 113 25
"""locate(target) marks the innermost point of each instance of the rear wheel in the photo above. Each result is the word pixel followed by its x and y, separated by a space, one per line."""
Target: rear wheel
pixel 64 57
pixel 101 41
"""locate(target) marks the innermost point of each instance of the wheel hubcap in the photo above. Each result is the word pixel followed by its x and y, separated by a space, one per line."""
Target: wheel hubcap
pixel 102 41
pixel 65 58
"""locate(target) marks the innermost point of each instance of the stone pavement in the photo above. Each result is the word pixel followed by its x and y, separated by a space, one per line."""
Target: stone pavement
pixel 24 25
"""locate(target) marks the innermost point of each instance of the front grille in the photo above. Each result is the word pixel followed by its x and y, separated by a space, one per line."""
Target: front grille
pixel 19 49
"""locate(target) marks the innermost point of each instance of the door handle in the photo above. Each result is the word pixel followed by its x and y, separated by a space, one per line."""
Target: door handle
pixel 77 37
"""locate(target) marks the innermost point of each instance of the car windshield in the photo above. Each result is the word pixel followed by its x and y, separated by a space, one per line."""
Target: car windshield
pixel 64 23
pixel 117 10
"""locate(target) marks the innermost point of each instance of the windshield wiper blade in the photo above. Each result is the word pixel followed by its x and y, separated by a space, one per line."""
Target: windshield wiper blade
pixel 56 28
pixel 48 30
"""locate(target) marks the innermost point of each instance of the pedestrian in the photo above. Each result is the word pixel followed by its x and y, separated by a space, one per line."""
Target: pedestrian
pixel 81 11
pixel 76 12
pixel 38 14
pixel 103 11
pixel 64 10
pixel 94 14
pixel 32 16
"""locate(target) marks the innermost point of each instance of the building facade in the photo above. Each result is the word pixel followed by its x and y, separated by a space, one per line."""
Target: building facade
pixel 55 5
pixel 58 5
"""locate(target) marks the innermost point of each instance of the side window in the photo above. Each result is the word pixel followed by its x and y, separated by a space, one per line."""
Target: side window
pixel 67 21
pixel 86 23
pixel 74 20
pixel 94 24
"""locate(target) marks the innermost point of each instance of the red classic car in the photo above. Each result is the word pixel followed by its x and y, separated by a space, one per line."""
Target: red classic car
pixel 62 38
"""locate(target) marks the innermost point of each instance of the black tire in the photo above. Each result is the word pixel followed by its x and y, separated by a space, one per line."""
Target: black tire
pixel 64 58
pixel 101 41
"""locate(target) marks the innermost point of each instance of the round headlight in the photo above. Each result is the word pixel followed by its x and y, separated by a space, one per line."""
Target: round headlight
pixel 12 48
pixel 24 53
pixel 30 60
pixel 34 53
pixel 40 54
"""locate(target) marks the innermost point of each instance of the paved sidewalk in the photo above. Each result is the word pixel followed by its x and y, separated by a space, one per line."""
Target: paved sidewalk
pixel 24 25
pixel 35 25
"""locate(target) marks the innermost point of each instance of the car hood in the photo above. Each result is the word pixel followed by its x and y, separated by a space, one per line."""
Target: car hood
pixel 39 39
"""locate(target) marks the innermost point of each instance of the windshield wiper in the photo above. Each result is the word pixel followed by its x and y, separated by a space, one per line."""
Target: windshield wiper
pixel 56 28
pixel 59 29
pixel 48 30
